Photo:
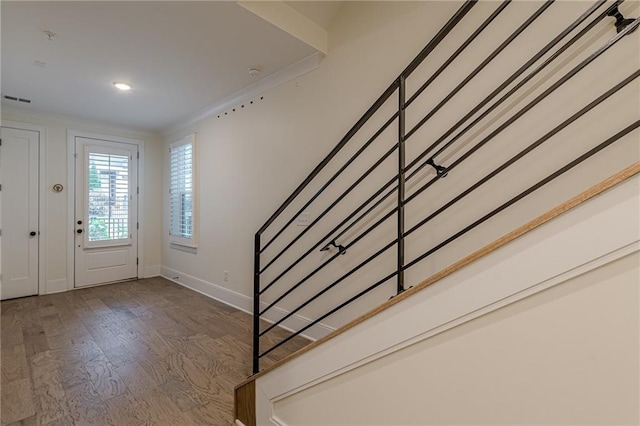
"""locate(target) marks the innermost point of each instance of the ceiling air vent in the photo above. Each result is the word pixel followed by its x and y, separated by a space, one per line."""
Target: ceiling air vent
pixel 13 98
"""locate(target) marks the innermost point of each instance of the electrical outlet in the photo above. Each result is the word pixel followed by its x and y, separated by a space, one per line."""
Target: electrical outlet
pixel 226 276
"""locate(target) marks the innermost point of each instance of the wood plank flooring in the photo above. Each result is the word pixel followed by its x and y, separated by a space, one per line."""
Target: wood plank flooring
pixel 145 352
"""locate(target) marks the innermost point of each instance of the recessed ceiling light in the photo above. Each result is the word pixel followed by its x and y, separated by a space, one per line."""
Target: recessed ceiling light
pixel 122 86
pixel 254 71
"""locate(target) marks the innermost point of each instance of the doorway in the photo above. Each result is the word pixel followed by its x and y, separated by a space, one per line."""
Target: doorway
pixel 20 211
pixel 105 210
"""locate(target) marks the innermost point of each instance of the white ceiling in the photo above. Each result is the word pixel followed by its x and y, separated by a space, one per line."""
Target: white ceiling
pixel 180 57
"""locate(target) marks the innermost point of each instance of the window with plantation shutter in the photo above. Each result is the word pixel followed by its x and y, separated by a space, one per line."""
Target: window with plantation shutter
pixel 182 192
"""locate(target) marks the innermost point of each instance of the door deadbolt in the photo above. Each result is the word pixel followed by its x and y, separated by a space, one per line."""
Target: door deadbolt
pixel 79 222
pixel 32 233
pixel 79 231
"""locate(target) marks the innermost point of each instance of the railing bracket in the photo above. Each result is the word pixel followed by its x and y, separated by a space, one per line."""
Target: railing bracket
pixel 341 249
pixel 621 21
pixel 400 292
pixel 441 171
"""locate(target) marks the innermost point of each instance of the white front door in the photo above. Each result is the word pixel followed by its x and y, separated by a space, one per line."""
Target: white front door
pixel 106 217
pixel 19 156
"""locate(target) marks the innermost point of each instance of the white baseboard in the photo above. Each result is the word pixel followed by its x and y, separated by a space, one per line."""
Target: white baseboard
pixel 152 271
pixel 56 286
pixel 244 303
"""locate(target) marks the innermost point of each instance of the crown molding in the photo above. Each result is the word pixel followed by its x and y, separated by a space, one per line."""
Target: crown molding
pixel 276 79
pixel 27 114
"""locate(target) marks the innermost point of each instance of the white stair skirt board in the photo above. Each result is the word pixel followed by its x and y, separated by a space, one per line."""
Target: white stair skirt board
pixel 601 230
pixel 245 303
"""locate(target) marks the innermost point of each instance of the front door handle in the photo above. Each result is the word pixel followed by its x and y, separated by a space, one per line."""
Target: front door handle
pixel 33 233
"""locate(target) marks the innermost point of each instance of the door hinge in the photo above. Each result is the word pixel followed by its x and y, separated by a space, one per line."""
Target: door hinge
pixel 137 261
pixel 138 154
pixel 138 225
pixel 138 190
pixel 0 142
pixel 75 156
pixel 0 187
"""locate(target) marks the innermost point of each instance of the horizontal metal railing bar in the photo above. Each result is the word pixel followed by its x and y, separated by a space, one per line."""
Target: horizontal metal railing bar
pixel 415 194
pixel 458 51
pixel 528 78
pixel 331 259
pixel 478 222
pixel 480 67
pixel 358 181
pixel 532 60
pixel 421 56
pixel 333 178
pixel 566 77
pixel 528 191
pixel 527 150
pixel 325 238
pixel 440 35
pixel 495 172
pixel 348 274
pixel 538 55
pixel 332 311
pixel 455 19
pixel 366 212
pixel 413 173
pixel 492 247
pixel 513 77
pixel 432 44
pixel 452 22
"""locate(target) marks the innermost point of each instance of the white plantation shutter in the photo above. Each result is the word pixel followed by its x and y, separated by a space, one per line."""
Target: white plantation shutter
pixel 182 192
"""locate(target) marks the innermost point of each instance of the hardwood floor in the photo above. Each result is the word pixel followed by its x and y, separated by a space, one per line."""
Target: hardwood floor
pixel 145 352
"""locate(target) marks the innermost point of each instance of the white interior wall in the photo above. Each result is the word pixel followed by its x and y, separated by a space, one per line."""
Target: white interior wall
pixel 252 158
pixel 56 203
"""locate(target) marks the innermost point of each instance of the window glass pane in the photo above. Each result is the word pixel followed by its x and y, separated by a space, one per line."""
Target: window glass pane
pixel 181 191
pixel 108 197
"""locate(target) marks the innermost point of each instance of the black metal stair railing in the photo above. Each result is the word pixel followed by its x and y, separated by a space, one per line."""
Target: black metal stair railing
pixel 596 13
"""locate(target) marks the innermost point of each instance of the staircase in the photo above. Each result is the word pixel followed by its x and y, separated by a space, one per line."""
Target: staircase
pixel 429 181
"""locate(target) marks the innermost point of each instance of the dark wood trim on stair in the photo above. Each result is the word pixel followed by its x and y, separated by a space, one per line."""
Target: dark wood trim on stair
pixel 245 403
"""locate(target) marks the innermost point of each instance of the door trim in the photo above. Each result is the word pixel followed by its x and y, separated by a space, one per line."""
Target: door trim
pixel 42 196
pixel 71 184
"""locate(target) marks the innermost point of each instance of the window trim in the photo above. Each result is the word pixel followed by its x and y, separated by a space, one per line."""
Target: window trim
pixel 176 239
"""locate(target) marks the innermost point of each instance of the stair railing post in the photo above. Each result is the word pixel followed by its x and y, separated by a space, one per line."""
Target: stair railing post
pixel 256 304
pixel 401 181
